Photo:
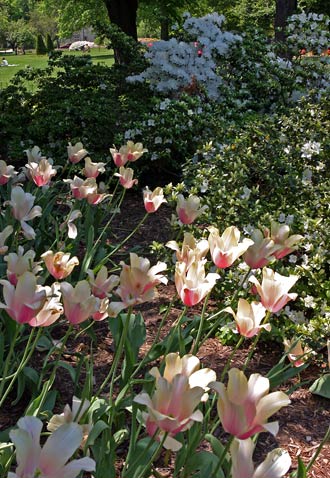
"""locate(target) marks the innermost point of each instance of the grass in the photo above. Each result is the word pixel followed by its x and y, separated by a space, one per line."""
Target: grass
pixel 99 56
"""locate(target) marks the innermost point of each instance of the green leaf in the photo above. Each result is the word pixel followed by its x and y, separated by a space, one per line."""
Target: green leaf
pixel 97 429
pixel 321 386
pixel 302 471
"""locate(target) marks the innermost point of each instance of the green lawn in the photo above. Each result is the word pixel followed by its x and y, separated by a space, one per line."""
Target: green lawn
pixel 99 55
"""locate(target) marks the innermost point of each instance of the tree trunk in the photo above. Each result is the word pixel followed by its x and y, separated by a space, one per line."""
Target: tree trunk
pixel 164 29
pixel 123 14
pixel 284 8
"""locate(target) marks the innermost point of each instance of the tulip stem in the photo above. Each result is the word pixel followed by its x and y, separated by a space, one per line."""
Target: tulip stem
pixel 178 323
pixel 155 341
pixel 201 326
pixel 232 353
pixel 319 448
pixel 223 456
pixel 119 350
pixel 8 358
pixel 255 342
pixel 26 357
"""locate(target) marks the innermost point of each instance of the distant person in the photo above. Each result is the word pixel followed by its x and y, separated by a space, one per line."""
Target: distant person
pixel 4 62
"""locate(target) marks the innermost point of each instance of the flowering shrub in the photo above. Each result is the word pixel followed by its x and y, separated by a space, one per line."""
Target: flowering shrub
pixel 308 32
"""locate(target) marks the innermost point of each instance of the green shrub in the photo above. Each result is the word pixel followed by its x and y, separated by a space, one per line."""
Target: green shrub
pixel 41 48
pixel 49 43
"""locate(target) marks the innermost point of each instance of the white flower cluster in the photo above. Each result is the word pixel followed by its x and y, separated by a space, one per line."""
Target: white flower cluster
pixel 308 31
pixel 175 65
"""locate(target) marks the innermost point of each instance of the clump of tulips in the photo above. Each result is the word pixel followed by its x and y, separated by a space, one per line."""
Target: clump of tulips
pixel 49 281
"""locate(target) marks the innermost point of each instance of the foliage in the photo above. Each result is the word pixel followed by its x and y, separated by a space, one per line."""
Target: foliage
pixel 49 43
pixel 236 173
pixel 41 48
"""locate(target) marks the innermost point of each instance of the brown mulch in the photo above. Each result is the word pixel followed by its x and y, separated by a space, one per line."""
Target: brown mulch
pixel 302 424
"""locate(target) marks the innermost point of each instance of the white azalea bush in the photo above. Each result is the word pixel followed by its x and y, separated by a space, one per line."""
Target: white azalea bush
pixel 177 64
pixel 308 32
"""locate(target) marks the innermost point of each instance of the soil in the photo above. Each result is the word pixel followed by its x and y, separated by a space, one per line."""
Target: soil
pixel 303 423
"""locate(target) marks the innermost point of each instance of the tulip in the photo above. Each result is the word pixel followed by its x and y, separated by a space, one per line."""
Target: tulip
pixel 153 199
pixel 191 283
pixel 23 302
pixel 274 289
pixel 129 152
pixel 72 415
pixel 189 209
pixel 92 170
pixel 6 172
pixel 42 172
pixel 276 464
pixel 82 188
pixel 34 155
pixel 126 177
pixel 19 263
pixel 69 222
pixel 261 252
pixel 248 318
pixel 79 303
pixel 102 285
pixel 52 308
pixel 191 250
pixel 245 405
pixel 49 461
pixel 227 248
pixel 59 265
pixel 280 234
pixel 137 283
pixel 189 366
pixel 8 230
pixel 23 210
pixel 103 310
pixel 171 409
pixel 296 353
pixel 76 153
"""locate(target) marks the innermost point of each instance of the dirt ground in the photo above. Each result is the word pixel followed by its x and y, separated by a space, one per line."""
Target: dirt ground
pixel 302 424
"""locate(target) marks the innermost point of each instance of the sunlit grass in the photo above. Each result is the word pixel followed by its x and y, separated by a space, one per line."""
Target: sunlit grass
pixel 30 59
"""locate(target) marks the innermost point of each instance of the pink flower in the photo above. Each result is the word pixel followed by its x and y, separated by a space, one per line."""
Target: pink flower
pixel 79 303
pixel 137 283
pixel 102 285
pixel 8 230
pixel 153 199
pixel 76 153
pixel 23 210
pixel 19 263
pixel 248 318
pixel 191 250
pixel 126 177
pixel 81 188
pixel 296 353
pixel 52 308
pixel 189 366
pixel 129 152
pixel 276 464
pixel 191 283
pixel 92 170
pixel 244 406
pixel 59 265
pixel 274 289
pixel 6 172
pixel 189 209
pixel 49 461
pixel 261 252
pixel 171 409
pixel 280 234
pixel 23 302
pixel 42 172
pixel 227 248
pixel 69 222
